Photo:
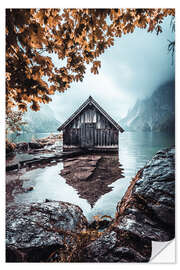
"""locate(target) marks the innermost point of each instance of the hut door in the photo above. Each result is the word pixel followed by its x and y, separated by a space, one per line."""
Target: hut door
pixel 87 135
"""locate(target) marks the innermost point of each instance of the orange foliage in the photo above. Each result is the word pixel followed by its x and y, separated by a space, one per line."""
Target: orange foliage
pixel 79 36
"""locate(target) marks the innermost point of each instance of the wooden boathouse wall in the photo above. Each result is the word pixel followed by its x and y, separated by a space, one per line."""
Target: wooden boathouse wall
pixel 90 129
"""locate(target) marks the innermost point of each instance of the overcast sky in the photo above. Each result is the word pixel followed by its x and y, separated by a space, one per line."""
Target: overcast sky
pixel 132 69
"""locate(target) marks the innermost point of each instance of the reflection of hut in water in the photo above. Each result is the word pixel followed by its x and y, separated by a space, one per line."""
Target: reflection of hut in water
pixel 91 175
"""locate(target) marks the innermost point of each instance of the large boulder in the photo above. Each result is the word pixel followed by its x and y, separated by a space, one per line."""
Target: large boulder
pixel 148 207
pixel 116 245
pixel 145 213
pixel 35 230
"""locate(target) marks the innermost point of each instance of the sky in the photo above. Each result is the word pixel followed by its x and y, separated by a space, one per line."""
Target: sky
pixel 132 69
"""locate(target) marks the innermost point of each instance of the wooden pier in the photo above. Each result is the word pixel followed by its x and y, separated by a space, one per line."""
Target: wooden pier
pixel 43 160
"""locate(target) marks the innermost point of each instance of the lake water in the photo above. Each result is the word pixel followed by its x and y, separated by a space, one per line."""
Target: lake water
pixel 135 149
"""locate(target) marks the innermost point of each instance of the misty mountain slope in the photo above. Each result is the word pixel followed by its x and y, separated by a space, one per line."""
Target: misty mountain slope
pixel 41 121
pixel 156 113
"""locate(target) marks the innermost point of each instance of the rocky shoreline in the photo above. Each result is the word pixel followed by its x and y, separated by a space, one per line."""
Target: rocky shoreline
pixel 31 147
pixel 40 232
pixel 146 213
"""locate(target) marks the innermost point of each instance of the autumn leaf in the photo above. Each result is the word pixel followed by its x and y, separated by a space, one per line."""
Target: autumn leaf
pixel 76 36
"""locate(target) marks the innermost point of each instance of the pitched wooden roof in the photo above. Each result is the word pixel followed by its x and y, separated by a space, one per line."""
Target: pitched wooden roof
pixel 90 100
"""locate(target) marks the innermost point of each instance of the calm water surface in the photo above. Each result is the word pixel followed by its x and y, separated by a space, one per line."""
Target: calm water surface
pixel 135 149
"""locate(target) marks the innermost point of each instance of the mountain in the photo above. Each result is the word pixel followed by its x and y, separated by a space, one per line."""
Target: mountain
pixel 156 113
pixel 41 121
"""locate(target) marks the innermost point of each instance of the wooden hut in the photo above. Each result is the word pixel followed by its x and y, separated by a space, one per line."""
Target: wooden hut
pixel 90 128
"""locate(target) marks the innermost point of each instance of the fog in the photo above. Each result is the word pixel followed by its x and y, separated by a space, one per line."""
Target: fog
pixel 132 69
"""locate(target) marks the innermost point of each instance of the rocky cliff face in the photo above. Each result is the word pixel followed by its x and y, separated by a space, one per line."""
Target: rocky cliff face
pixel 156 113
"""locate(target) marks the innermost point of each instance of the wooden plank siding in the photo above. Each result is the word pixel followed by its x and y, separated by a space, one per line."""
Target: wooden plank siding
pixel 90 129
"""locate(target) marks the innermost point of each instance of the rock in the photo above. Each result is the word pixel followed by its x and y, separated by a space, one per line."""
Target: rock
pixel 117 246
pixel 70 162
pixel 28 189
pixel 100 224
pixel 13 187
pixel 84 173
pixel 145 213
pixel 35 145
pixel 155 113
pixel 32 229
pixel 22 147
pixel 148 207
